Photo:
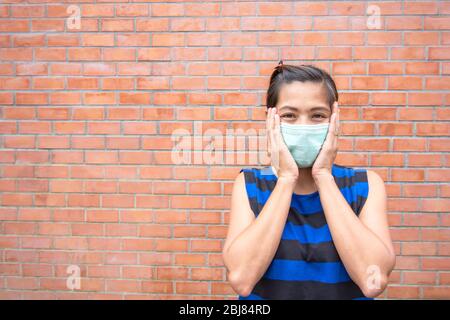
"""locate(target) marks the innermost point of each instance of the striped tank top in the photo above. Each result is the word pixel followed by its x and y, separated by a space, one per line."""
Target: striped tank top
pixel 306 264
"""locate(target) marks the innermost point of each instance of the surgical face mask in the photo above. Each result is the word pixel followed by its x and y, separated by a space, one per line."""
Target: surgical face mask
pixel 304 141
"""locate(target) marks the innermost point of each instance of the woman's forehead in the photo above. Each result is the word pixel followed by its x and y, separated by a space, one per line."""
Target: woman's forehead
pixel 302 94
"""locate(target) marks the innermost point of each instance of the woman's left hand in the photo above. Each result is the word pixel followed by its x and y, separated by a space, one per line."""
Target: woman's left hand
pixel 325 159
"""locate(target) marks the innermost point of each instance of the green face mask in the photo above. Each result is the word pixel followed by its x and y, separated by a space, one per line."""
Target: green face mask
pixel 304 141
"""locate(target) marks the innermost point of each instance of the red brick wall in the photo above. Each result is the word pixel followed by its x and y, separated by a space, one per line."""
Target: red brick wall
pixel 88 106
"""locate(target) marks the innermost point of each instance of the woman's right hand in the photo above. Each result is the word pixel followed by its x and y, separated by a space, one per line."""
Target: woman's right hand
pixel 280 157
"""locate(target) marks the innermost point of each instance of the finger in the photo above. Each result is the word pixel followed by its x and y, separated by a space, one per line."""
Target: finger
pixel 276 139
pixel 335 106
pixel 330 135
pixel 273 118
pixel 335 131
pixel 269 112
pixel 273 144
pixel 279 136
pixel 338 123
pixel 333 117
pixel 270 118
pixel 271 131
pixel 276 122
pixel 337 127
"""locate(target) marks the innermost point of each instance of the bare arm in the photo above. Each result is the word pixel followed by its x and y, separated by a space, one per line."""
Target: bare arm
pixel 363 243
pixel 252 242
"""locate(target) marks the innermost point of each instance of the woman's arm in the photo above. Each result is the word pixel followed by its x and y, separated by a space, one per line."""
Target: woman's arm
pixel 252 242
pixel 363 243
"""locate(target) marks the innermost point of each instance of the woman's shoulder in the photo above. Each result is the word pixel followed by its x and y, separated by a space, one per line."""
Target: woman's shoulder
pixel 349 171
pixel 361 173
pixel 263 172
pixel 354 183
pixel 256 168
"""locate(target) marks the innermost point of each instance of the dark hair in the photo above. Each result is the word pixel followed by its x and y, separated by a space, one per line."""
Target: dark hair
pixel 285 73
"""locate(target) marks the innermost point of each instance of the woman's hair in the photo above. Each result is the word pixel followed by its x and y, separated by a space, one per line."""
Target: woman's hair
pixel 285 73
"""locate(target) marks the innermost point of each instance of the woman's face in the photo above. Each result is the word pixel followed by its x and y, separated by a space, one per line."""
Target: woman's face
pixel 303 103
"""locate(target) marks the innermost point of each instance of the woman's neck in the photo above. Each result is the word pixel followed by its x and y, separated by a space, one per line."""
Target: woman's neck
pixel 305 182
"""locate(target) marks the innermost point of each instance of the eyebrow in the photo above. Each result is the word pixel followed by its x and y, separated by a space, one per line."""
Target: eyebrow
pixel 312 109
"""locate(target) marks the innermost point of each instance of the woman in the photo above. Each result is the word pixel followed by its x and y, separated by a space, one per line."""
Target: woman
pixel 304 227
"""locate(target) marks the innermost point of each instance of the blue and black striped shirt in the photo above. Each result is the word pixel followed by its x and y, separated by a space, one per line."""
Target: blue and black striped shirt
pixel 306 264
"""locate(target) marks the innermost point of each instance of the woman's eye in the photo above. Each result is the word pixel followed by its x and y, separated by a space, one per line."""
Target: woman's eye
pixel 320 115
pixel 288 115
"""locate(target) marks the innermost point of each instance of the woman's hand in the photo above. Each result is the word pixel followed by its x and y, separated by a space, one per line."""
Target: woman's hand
pixel 325 159
pixel 280 157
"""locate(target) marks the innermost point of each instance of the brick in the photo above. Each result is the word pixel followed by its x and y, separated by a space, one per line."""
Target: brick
pixel 89 117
